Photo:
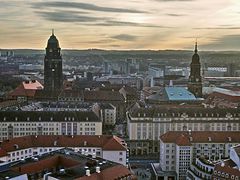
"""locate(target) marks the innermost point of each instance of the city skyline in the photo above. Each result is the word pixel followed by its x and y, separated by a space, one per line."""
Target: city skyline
pixel 136 24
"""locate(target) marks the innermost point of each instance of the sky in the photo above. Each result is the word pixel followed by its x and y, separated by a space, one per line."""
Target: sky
pixel 121 24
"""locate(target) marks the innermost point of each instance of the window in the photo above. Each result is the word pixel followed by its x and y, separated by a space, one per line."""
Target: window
pixel 120 153
pixel 120 159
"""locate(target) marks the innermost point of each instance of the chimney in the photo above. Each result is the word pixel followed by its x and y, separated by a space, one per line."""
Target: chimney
pixel 222 164
pixel 87 172
pixel 83 152
pixel 191 138
pixel 62 171
pixel 98 169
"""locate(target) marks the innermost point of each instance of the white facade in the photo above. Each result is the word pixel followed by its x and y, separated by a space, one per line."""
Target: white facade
pixel 145 127
pixel 179 157
pixel 200 169
pixel 109 115
pixel 115 156
pixel 17 129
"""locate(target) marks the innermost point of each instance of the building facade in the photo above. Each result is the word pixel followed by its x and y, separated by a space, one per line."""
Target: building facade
pixel 107 147
pixel 145 125
pixel 178 149
pixel 19 123
pixel 107 113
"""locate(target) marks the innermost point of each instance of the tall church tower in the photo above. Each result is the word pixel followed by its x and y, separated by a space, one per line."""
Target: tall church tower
pixel 195 79
pixel 53 77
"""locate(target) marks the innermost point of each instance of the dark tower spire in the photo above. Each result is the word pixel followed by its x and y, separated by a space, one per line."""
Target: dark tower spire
pixel 53 77
pixel 196 47
pixel 195 78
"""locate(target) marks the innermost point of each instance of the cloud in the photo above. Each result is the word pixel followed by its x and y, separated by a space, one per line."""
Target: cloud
pixel 216 28
pixel 175 15
pixel 173 0
pixel 84 18
pixel 67 16
pixel 226 42
pixel 84 6
pixel 125 37
pixel 126 23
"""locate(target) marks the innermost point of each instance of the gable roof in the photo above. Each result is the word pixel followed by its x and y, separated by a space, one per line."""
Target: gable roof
pixel 184 138
pixel 106 142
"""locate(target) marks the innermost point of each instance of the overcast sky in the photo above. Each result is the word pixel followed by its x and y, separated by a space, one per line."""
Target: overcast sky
pixel 121 24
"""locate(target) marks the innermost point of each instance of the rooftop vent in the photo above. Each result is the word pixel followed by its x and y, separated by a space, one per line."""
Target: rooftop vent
pixel 229 139
pixel 16 146
pixel 88 172
pixel 62 171
pixel 191 138
pixel 98 169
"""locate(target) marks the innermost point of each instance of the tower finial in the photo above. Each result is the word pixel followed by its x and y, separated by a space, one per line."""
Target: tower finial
pixel 196 46
pixel 52 31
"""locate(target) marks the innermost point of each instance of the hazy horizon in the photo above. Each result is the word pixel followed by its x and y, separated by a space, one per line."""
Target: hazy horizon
pixel 129 25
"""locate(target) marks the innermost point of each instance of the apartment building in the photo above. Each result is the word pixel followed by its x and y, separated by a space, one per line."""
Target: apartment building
pixel 107 147
pixel 146 124
pixel 178 150
pixel 107 113
pixel 19 123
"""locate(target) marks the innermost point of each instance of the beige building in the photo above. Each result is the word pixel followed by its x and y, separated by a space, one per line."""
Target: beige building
pixel 107 113
pixel 19 123
pixel 145 125
pixel 178 150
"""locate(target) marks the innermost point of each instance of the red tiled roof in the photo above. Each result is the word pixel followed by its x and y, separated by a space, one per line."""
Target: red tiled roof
pixel 184 137
pixel 115 172
pixel 183 141
pixel 26 89
pixel 107 142
pixel 227 170
pixel 47 163
pixel 33 85
pixel 2 152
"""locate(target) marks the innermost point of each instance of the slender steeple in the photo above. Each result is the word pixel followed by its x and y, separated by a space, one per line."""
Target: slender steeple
pixel 195 78
pixel 196 47
pixel 52 32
